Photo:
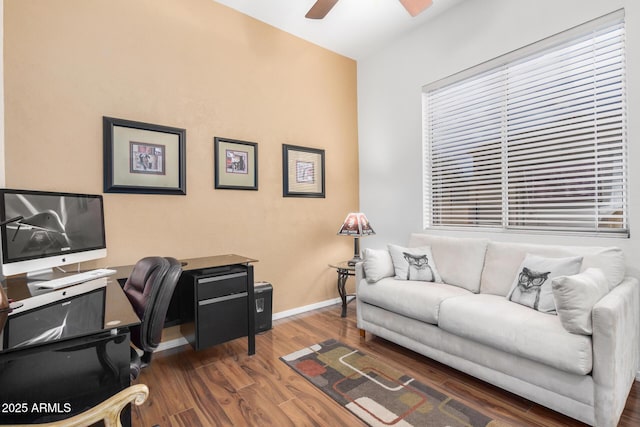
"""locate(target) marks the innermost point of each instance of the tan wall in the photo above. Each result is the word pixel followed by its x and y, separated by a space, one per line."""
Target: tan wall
pixel 197 65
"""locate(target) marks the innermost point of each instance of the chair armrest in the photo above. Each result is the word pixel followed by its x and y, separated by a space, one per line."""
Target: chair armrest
pixel 616 343
pixel 107 411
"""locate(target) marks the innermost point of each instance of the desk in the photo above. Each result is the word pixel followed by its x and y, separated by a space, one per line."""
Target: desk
pixel 65 377
pixel 209 310
pixel 217 301
pixel 60 378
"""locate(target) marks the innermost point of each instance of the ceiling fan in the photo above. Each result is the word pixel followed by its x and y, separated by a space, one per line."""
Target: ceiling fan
pixel 321 7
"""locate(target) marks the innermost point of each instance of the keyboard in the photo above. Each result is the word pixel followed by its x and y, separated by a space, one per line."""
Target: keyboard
pixel 74 279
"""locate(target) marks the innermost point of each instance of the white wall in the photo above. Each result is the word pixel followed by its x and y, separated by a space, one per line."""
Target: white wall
pixel 389 105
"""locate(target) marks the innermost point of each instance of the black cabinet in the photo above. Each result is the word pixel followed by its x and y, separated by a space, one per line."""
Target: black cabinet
pixel 217 305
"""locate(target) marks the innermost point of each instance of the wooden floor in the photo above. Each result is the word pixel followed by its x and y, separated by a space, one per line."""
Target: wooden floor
pixel 224 386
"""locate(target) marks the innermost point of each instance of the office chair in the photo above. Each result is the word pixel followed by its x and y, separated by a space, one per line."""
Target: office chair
pixel 149 289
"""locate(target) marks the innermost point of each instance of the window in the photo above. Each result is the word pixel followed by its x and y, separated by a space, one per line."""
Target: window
pixel 534 140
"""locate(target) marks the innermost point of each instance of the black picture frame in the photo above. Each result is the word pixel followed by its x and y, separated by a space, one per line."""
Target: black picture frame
pixel 143 158
pixel 235 164
pixel 302 171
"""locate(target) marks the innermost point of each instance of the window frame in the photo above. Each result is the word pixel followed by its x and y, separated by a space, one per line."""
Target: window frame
pixel 504 63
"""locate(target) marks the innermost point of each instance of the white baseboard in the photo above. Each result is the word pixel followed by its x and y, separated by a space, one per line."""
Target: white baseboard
pixel 305 308
pixel 177 342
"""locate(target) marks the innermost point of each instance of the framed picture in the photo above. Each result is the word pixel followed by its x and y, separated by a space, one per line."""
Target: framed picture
pixel 302 171
pixel 236 164
pixel 143 158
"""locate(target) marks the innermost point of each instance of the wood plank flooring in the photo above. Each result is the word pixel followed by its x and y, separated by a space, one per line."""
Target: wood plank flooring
pixel 223 386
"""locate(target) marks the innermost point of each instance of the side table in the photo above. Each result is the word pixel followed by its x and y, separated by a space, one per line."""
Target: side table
pixel 344 271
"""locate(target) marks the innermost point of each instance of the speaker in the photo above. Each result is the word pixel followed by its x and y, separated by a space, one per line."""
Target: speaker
pixel 263 293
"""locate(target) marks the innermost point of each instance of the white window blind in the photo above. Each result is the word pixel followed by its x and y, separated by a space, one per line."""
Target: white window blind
pixel 536 143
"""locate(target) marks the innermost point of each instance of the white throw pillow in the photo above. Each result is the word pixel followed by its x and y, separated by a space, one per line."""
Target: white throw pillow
pixel 575 297
pixel 460 260
pixel 414 263
pixel 532 285
pixel 377 264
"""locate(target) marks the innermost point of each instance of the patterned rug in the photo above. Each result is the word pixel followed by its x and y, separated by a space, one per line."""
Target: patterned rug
pixel 377 393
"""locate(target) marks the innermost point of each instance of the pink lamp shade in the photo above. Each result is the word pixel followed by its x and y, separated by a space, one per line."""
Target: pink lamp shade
pixel 356 225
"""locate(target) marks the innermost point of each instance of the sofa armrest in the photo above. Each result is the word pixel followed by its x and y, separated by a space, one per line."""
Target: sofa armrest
pixel 360 279
pixel 359 273
pixel 616 346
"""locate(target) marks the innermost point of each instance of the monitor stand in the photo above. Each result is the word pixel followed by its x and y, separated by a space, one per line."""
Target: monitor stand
pixel 39 275
pixel 35 278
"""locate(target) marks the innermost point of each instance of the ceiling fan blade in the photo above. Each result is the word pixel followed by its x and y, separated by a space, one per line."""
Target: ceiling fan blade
pixel 320 9
pixel 414 7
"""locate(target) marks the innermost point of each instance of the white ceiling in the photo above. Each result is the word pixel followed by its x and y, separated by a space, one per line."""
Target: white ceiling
pixel 353 28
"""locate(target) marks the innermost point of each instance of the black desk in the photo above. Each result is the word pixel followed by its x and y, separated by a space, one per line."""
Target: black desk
pixel 213 301
pixel 65 377
pixel 217 302
pixel 62 377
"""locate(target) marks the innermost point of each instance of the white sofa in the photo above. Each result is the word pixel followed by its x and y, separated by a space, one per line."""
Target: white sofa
pixel 469 323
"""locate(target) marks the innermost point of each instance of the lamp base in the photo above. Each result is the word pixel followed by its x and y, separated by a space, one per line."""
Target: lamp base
pixel 353 261
pixel 356 252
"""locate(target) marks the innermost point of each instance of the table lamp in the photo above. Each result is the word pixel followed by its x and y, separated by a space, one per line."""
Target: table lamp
pixel 356 225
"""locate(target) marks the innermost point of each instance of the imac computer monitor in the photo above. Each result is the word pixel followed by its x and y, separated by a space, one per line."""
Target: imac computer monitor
pixel 44 230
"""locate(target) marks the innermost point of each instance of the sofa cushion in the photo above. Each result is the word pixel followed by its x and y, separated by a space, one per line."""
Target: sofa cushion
pixel 414 299
pixel 576 295
pixel 414 263
pixel 459 260
pixel 610 260
pixel 503 259
pixel 496 322
pixel 377 264
pixel 532 286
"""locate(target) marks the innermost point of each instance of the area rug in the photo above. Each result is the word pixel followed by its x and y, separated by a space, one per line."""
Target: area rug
pixel 377 393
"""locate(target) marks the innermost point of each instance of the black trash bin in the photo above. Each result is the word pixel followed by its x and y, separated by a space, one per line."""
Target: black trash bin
pixel 263 292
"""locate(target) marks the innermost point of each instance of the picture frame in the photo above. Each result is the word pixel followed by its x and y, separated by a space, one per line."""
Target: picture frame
pixel 302 171
pixel 143 158
pixel 235 164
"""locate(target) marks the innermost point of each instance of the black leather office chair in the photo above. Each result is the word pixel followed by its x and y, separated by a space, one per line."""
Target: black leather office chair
pixel 149 289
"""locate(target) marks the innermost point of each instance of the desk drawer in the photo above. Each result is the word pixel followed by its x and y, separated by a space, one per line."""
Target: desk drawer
pixel 222 319
pixel 218 286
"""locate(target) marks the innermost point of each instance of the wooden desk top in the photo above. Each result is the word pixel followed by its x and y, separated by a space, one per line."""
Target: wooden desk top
pixel 124 271
pixel 214 261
